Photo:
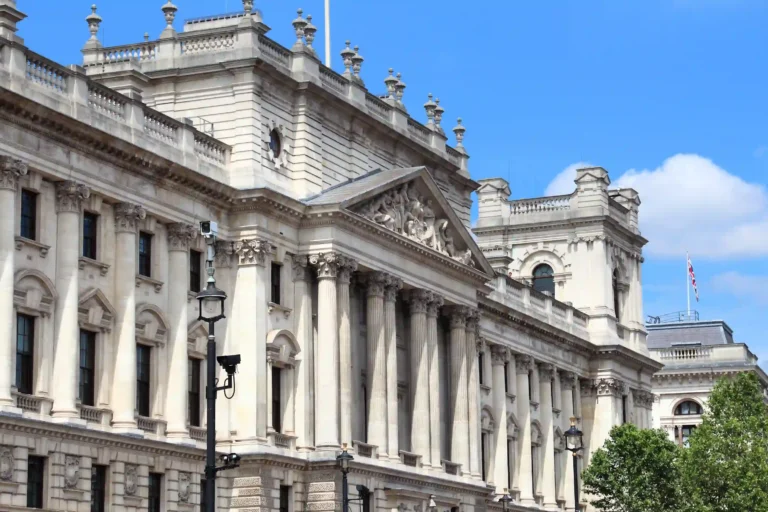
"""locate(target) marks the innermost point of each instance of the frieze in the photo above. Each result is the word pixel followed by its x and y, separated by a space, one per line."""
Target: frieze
pixel 71 471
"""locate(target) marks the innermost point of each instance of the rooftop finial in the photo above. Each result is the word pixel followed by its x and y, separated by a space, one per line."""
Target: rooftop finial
pixel 146 36
pixel 169 11
pixel 390 82
pixel 439 111
pixel 247 6
pixel 94 20
pixel 309 33
pixel 347 53
pixel 399 91
pixel 357 63
pixel 430 106
pixel 298 25
pixel 459 130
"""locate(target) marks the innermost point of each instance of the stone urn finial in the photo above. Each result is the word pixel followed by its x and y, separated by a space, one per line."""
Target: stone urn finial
pixel 459 130
pixel 400 91
pixel 309 33
pixel 439 111
pixel 248 6
pixel 169 10
pixel 94 21
pixel 347 53
pixel 390 82
pixel 298 25
pixel 357 64
pixel 430 107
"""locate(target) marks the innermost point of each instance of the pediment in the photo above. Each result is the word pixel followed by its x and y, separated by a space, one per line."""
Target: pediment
pixel 95 311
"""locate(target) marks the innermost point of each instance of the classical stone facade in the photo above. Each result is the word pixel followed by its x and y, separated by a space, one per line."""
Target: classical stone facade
pixel 364 310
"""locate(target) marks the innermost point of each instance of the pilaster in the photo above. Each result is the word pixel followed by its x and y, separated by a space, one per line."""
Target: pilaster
pixel 473 391
pixel 546 375
pixel 567 385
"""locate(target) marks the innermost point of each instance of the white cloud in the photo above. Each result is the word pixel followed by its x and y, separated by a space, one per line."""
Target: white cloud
pixel 754 287
pixel 691 204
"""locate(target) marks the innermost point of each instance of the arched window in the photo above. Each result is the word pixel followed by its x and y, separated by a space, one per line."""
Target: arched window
pixel 688 408
pixel 544 280
pixel 616 294
pixel 275 144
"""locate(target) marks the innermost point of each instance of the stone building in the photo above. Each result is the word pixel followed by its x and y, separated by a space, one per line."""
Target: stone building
pixel 695 353
pixel 363 308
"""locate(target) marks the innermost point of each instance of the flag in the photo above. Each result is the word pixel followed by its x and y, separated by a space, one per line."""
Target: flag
pixel 693 278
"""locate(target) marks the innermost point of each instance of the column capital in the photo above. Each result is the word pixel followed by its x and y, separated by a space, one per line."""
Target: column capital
pixel 523 363
pixel 254 251
pixel 375 283
pixel 393 287
pixel 458 316
pixel 481 344
pixel 11 169
pixel 224 251
pixel 346 266
pixel 418 300
pixel 643 398
pixel 127 217
pixel 568 379
pixel 546 372
pixel 435 303
pixel 70 195
pixel 326 264
pixel 607 386
pixel 473 319
pixel 499 355
pixel 180 235
pixel 299 267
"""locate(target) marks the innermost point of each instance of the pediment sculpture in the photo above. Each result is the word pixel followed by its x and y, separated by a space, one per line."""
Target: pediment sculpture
pixel 407 212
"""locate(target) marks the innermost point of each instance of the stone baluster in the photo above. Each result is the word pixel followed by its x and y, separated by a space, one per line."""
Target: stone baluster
pixel 11 170
pixel 523 367
pixel 376 369
pixel 305 401
pixel 69 196
pixel 390 331
pixel 499 357
pixel 459 404
pixel 180 236
pixel 346 267
pixel 567 383
pixel 417 301
pixel 326 422
pixel 433 310
pixel 127 217
pixel 473 394
pixel 546 375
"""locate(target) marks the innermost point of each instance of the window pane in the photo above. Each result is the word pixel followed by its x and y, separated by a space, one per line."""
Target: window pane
pixel 195 261
pixel 90 225
pixel 28 214
pixel 276 412
pixel 143 368
pixel 145 254
pixel 98 488
pixel 194 392
pixel 86 390
pixel 276 268
pixel 285 493
pixel 25 336
pixel 155 490
pixel 543 280
pixel 35 477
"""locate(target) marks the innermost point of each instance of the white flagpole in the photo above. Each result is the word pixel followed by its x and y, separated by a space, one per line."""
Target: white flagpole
pixel 687 283
pixel 328 33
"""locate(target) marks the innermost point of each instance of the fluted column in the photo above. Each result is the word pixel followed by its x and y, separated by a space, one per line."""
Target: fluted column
pixel 327 419
pixel 523 367
pixel 346 267
pixel 459 404
pixel 69 196
pixel 390 332
pixel 567 383
pixel 435 445
pixel 226 420
pixel 127 217
pixel 11 170
pixel 419 385
pixel 305 394
pixel 376 369
pixel 179 237
pixel 473 392
pixel 546 374
pixel 499 356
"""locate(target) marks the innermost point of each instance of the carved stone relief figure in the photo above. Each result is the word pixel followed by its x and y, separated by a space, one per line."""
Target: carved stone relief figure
pixel 71 471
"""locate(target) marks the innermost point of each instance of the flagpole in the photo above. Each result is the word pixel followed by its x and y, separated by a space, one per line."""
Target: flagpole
pixel 687 282
pixel 328 33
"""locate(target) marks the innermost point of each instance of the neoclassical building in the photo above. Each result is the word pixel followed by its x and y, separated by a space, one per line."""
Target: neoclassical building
pixel 364 309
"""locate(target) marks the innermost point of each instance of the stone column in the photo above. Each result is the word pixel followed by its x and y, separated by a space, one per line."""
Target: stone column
pixel 435 448
pixel 376 369
pixel 523 366
pixel 225 339
pixel 11 170
pixel 607 407
pixel 499 356
pixel 127 217
pixel 179 237
pixel 305 392
pixel 473 394
pixel 69 196
pixel 546 374
pixel 567 383
pixel 327 419
pixel 419 385
pixel 346 267
pixel 390 332
pixel 459 403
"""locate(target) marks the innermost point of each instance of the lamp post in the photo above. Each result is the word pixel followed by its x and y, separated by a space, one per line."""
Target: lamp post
pixel 574 443
pixel 504 499
pixel 211 302
pixel 343 459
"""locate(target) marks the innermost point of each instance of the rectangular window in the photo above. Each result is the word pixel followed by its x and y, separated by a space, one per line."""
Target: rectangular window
pixel 143 369
pixel 155 491
pixel 276 270
pixel 483 453
pixel 534 469
pixel 276 412
pixel 480 365
pixel 530 387
pixel 87 384
pixel 98 488
pixel 145 254
pixel 506 377
pixel 194 392
pixel 90 234
pixel 624 409
pixel 365 500
pixel 28 214
pixel 195 270
pixel 203 494
pixel 285 496
pixel 510 462
pixel 25 353
pixel 35 481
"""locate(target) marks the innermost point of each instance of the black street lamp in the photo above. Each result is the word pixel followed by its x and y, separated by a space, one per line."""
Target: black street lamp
pixel 504 499
pixel 343 459
pixel 211 301
pixel 574 443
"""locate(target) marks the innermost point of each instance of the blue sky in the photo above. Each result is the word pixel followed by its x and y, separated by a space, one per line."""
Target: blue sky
pixel 668 95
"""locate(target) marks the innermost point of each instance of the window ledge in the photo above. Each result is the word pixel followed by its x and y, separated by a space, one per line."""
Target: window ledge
pixel 535 405
pixel 280 309
pixel 21 242
pixel 511 398
pixel 88 262
pixel 148 280
pixel 485 387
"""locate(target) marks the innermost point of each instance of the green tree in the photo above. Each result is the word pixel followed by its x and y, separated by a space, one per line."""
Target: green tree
pixel 725 468
pixel 635 471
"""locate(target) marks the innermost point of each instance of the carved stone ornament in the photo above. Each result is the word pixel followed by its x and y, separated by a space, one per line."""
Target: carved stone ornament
pixel 609 386
pixel 642 398
pixel 473 320
pixel 393 287
pixel 299 268
pixel 224 251
pixel 499 355
pixel 253 252
pixel 70 195
pixel 418 300
pixel 327 264
pixel 131 479
pixel 523 364
pixel 435 303
pixel 406 212
pixel 180 235
pixel 346 267
pixel 458 316
pixel 11 169
pixel 6 464
pixel 71 471
pixel 546 372
pixel 127 217
pixel 184 487
pixel 567 379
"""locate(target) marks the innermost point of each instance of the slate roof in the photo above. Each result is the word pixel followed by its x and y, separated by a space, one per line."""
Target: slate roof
pixel 715 332
pixel 360 185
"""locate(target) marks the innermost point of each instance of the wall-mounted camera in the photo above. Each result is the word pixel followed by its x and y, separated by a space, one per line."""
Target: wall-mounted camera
pixel 230 460
pixel 229 363
pixel 209 229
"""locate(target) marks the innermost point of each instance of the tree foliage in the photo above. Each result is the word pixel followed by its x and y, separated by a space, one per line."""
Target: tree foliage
pixel 635 471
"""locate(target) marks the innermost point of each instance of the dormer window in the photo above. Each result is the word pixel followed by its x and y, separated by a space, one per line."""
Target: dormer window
pixel 544 280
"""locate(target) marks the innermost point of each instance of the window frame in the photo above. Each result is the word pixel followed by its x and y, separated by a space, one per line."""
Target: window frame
pixel 616 295
pixel 155 492
pixel 145 255
pixel 140 384
pixel 276 421
pixel 24 371
pixel 32 224
pixel 91 342
pixel 480 367
pixel 36 500
pixel 90 245
pixel 194 405
pixel 99 488
pixel 195 270
pixel 284 501
pixel 275 285
pixel 679 407
pixel 542 278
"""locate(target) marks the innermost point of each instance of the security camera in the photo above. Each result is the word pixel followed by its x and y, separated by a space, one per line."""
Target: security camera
pixel 229 363
pixel 209 229
pixel 362 490
pixel 230 460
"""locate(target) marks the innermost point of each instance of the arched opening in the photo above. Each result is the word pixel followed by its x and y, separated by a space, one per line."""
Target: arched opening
pixel 688 408
pixel 544 279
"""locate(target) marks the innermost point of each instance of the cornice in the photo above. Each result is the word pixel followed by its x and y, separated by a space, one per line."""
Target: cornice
pixel 630 357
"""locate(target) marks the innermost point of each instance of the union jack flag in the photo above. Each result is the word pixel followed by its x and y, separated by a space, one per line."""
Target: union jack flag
pixel 693 278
